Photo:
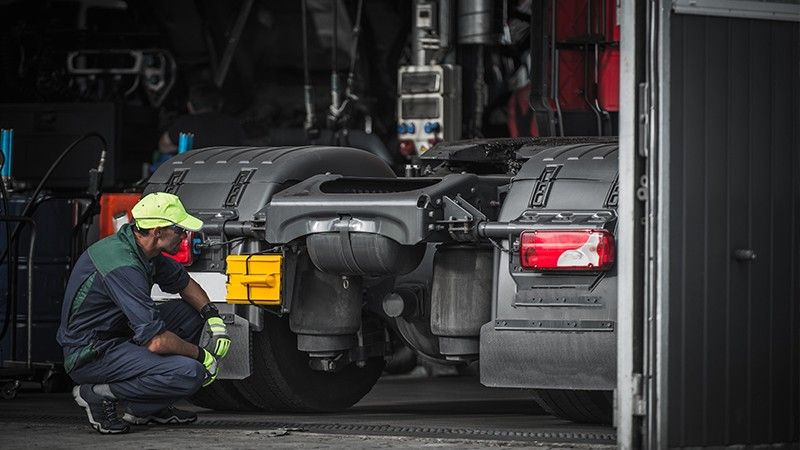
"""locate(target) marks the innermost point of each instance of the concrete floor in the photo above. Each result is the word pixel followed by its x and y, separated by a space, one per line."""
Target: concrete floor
pixel 400 412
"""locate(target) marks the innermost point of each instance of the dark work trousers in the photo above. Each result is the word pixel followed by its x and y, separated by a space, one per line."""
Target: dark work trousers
pixel 149 382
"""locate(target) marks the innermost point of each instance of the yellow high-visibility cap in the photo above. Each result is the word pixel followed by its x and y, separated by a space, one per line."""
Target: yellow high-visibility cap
pixel 161 209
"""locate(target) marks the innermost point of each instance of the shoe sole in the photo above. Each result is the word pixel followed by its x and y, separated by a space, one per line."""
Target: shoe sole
pixel 76 394
pixel 172 420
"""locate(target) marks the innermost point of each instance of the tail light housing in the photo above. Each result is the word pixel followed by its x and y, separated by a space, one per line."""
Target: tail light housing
pixel 185 253
pixel 587 249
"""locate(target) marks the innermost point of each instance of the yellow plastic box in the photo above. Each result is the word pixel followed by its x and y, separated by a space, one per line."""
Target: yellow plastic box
pixel 254 279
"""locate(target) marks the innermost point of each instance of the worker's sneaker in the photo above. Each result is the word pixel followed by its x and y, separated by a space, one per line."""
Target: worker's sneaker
pixel 101 410
pixel 170 415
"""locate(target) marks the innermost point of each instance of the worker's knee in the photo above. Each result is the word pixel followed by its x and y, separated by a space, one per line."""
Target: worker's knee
pixel 194 327
pixel 196 375
pixel 189 323
pixel 187 378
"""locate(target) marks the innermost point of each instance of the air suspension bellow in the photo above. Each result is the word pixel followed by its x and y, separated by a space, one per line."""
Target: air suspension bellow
pixel 461 298
pixel 326 311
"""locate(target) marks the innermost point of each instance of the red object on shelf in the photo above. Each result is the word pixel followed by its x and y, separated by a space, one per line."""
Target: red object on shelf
pixel 608 83
pixel 114 205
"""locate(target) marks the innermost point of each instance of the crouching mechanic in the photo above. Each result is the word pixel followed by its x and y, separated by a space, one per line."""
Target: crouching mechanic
pixel 119 345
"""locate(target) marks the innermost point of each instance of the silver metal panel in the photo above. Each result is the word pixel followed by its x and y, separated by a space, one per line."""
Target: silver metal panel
pixel 657 421
pixel 765 10
pixel 211 282
pixel 627 295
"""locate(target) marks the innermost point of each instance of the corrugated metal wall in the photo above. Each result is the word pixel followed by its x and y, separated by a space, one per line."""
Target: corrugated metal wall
pixel 734 183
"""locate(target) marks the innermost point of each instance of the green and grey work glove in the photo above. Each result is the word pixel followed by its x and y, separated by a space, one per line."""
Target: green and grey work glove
pixel 210 363
pixel 219 342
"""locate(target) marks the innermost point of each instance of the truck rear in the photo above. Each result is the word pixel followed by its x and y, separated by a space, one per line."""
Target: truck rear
pixel 323 262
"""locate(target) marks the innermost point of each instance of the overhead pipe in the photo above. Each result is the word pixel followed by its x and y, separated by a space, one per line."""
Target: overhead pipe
pixel 587 90
pixel 542 111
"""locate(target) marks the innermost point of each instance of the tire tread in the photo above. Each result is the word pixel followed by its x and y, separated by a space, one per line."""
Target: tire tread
pixel 577 405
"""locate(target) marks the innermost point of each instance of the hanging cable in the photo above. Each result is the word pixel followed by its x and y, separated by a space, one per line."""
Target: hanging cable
pixel 27 210
pixel 333 112
pixel 354 51
pixel 12 261
pixel 307 88
pixel 496 245
pixel 348 91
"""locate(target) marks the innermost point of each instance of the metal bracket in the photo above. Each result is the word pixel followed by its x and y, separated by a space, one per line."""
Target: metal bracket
pixel 532 299
pixel 553 325
pixel 461 218
pixel 639 405
pixel 644 120
pixel 343 226
pixel 642 193
pixel 591 218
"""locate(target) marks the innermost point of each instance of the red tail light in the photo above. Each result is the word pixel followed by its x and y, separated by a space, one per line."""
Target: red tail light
pixel 567 250
pixel 184 255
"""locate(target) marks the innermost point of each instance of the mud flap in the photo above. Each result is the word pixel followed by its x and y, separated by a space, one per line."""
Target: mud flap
pixel 237 365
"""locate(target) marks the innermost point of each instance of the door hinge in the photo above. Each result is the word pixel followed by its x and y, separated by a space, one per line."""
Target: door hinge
pixel 639 405
pixel 642 192
pixel 643 120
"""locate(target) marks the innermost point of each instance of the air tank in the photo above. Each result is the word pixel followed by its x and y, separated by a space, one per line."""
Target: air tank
pixel 477 22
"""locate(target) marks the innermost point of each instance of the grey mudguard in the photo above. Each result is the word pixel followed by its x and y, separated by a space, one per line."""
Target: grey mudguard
pixel 239 181
pixel 402 209
pixel 549 329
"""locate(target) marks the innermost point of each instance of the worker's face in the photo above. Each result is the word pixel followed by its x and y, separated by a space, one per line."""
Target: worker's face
pixel 170 239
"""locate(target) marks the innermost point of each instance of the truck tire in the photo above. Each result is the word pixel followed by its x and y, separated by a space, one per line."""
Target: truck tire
pixel 401 362
pixel 577 406
pixel 221 395
pixel 283 381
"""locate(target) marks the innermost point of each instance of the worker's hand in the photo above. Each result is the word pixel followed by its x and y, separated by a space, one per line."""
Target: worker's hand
pixel 210 363
pixel 220 342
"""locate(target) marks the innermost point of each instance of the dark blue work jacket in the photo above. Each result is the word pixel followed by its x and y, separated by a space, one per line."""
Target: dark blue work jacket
pixel 108 297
